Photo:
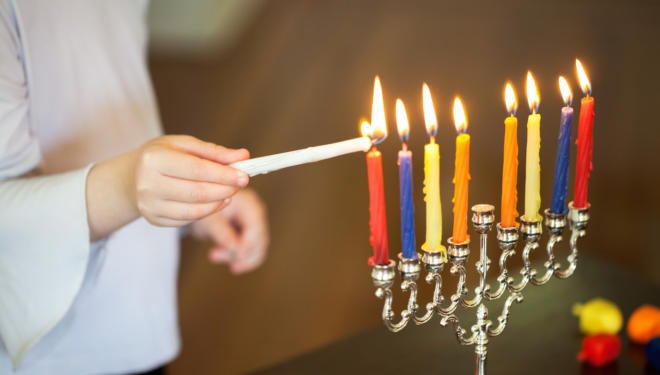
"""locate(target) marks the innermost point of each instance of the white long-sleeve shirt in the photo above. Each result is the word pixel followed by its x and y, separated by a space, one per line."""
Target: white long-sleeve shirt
pixel 75 89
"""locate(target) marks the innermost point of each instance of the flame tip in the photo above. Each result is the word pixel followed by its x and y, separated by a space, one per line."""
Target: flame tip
pixel 510 99
pixel 460 118
pixel 402 124
pixel 378 126
pixel 585 84
pixel 533 98
pixel 566 92
pixel 430 118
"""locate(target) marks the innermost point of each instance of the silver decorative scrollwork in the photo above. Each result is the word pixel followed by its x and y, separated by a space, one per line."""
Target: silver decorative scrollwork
pixel 508 238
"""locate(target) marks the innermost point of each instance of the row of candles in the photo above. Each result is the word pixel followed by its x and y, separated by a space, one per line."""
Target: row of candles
pixel 377 131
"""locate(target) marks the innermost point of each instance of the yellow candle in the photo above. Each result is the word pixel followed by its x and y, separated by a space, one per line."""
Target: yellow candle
pixel 432 177
pixel 532 166
pixel 432 196
pixel 461 174
pixel 510 163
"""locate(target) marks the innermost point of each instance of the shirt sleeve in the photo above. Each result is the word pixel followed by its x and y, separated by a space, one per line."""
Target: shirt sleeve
pixel 44 235
pixel 44 249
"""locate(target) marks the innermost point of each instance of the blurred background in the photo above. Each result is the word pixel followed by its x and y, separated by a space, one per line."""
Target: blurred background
pixel 274 76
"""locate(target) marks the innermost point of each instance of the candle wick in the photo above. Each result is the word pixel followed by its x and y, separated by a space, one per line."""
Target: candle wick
pixel 432 141
pixel 404 146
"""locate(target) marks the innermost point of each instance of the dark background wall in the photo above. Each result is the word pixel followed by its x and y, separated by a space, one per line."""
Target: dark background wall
pixel 302 75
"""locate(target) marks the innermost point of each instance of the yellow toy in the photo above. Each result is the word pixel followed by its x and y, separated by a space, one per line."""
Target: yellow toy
pixel 597 316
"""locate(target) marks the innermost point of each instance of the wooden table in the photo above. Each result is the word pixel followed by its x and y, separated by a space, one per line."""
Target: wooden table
pixel 541 338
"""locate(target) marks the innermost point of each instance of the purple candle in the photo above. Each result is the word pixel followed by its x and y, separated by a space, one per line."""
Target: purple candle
pixel 560 183
pixel 408 247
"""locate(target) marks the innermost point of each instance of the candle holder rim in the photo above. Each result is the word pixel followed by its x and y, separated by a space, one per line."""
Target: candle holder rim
pixel 482 207
pixel 572 206
pixel 516 227
pixel 451 242
pixel 390 263
pixel 434 258
pixel 553 215
pixel 407 260
pixel 524 220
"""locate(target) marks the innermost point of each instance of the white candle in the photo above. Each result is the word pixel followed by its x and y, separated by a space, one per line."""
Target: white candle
pixel 266 164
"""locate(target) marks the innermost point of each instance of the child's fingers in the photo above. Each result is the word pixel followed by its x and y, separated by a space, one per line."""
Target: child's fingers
pixel 193 192
pixel 164 222
pixel 219 255
pixel 184 211
pixel 223 234
pixel 208 150
pixel 190 167
pixel 250 263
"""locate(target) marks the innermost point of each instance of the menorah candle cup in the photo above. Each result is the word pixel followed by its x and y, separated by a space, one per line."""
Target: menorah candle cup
pixel 530 229
pixel 507 238
pixel 578 217
pixel 409 268
pixel 433 260
pixel 554 222
pixel 458 252
pixel 483 217
pixel 383 275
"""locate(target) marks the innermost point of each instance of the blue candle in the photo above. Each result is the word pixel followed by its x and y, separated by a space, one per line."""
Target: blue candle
pixel 560 183
pixel 407 209
pixel 408 247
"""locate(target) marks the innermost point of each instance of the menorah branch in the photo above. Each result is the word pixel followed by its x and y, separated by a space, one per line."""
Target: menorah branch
pixel 503 319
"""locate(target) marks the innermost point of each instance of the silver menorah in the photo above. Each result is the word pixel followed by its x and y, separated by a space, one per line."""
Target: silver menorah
pixel 482 219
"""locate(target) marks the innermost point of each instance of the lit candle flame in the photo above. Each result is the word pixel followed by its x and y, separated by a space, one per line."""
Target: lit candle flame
pixel 378 125
pixel 510 99
pixel 533 98
pixel 566 92
pixel 430 119
pixel 365 128
pixel 585 85
pixel 460 119
pixel 402 121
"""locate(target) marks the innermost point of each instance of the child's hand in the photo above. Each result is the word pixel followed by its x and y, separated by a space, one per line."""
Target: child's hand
pixel 239 233
pixel 179 179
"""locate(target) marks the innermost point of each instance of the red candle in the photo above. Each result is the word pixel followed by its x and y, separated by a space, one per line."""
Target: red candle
pixel 584 141
pixel 377 131
pixel 378 220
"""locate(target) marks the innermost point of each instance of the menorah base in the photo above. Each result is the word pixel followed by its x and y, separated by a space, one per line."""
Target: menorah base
pixel 383 276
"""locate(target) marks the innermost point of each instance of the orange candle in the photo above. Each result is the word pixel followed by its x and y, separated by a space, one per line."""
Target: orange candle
pixel 461 174
pixel 510 161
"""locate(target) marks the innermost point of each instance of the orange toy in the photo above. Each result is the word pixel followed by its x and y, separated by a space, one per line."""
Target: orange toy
pixel 644 324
